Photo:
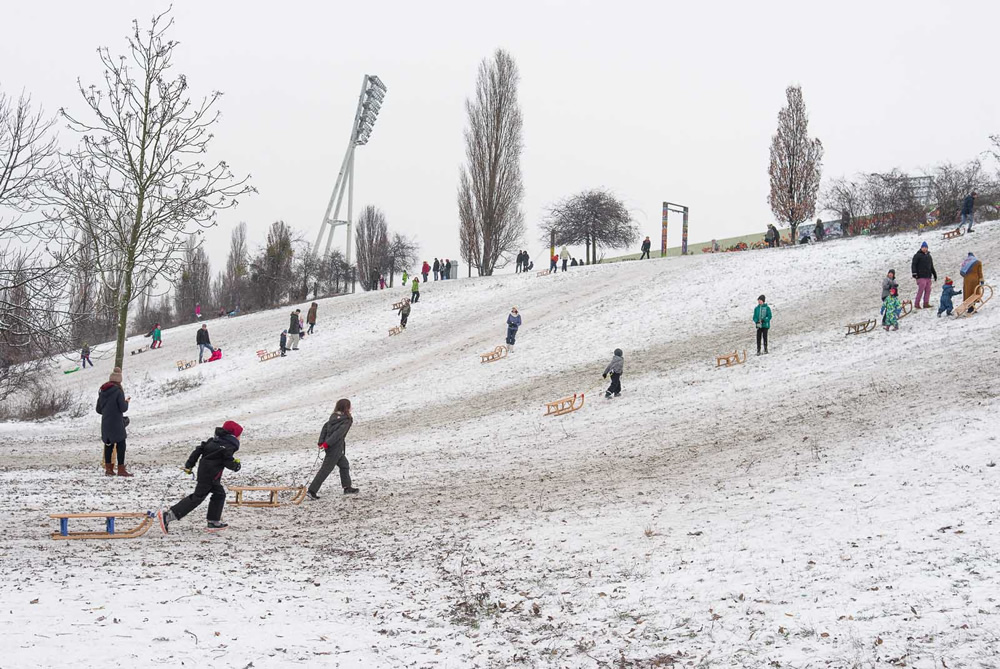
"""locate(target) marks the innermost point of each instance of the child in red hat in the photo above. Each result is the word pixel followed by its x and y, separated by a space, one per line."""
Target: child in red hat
pixel 216 454
pixel 947 293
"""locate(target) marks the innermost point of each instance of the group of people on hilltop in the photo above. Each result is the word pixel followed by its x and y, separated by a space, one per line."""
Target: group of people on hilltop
pixel 296 330
pixel 442 269
pixel 523 263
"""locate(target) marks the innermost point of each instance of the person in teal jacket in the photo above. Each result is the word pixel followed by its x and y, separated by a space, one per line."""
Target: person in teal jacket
pixel 890 309
pixel 762 319
pixel 157 337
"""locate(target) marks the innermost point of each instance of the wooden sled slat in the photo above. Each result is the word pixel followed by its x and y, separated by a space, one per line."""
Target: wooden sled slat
pixel 730 359
pixel 564 406
pixel 140 350
pixel 862 327
pixel 499 353
pixel 543 273
pixel 396 306
pixel 186 364
pixel 395 331
pixel 952 234
pixel 975 302
pixel 272 501
pixel 263 355
pixel 110 529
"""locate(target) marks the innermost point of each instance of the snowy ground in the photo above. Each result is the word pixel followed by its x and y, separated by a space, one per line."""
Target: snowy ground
pixel 833 504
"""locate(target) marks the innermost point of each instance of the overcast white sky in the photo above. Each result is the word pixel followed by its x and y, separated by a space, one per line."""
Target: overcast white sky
pixel 655 100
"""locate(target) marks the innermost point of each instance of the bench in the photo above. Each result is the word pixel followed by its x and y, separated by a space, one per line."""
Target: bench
pixel 564 406
pixel 730 359
pixel 498 353
pixel 272 501
pixel 110 529
pixel 264 354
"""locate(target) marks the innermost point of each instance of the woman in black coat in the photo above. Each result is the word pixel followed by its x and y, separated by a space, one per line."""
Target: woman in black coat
pixel 112 405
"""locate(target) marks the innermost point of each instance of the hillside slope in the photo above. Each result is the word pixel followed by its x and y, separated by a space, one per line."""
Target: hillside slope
pixel 830 504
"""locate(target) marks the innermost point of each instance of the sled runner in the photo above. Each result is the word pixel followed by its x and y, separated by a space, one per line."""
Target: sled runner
pixel 951 234
pixel 983 294
pixel 300 494
pixel 267 355
pixel 498 353
pixel 70 371
pixel 905 308
pixel 730 359
pixel 110 531
pixel 543 273
pixel 140 350
pixel 395 331
pixel 186 364
pixel 564 406
pixel 863 326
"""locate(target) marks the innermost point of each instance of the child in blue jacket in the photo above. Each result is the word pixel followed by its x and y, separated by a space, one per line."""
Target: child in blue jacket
pixel 947 293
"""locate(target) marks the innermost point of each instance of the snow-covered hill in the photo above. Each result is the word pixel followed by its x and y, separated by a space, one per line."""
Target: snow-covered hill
pixel 831 504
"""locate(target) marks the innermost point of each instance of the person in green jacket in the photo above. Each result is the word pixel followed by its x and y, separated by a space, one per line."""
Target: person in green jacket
pixel 762 319
pixel 415 291
pixel 157 337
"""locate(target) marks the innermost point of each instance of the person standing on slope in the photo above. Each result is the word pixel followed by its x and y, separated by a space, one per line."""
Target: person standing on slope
pixel 332 440
pixel 85 355
pixel 157 337
pixel 197 311
pixel 762 319
pixel 972 275
pixel 437 268
pixel 564 254
pixel 513 323
pixel 554 263
pixel 293 329
pixel 283 342
pixel 645 248
pixel 311 316
pixel 888 283
pixel 922 268
pixel 404 313
pixel 891 308
pixel 216 455
pixel 615 368
pixel 947 293
pixel 425 270
pixel 203 342
pixel 112 405
pixel 968 206
pixel 415 291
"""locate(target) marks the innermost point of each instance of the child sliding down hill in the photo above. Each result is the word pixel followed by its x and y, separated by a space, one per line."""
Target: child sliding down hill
pixel 216 454
pixel 890 310
pixel 616 367
pixel 947 292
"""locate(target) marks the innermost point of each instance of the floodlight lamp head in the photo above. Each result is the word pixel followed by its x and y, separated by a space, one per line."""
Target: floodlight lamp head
pixel 376 83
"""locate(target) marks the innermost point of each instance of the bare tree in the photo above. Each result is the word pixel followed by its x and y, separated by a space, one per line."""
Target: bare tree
pixel 592 217
pixel 372 246
pixel 796 164
pixel 400 255
pixel 952 183
pixel 233 283
pixel 33 314
pixel 193 286
pixel 844 197
pixel 271 269
pixel 490 187
pixel 137 184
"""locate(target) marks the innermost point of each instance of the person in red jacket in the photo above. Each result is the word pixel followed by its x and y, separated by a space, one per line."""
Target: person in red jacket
pixel 425 270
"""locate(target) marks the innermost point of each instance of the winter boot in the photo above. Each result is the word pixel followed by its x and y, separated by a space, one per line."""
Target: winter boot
pixel 217 525
pixel 165 517
pixel 311 495
pixel 350 491
pixel 123 472
pixel 109 469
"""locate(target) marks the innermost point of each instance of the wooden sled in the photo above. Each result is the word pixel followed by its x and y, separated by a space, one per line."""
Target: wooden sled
pixel 905 308
pixel 267 355
pixel 396 306
pixel 730 359
pixel 862 327
pixel 975 302
pixel 564 406
pixel 141 350
pixel 395 331
pixel 952 234
pixel 498 353
pixel 300 494
pixel 110 530
pixel 186 364
pixel 543 273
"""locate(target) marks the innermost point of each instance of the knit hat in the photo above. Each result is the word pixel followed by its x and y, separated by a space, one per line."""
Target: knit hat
pixel 233 428
pixel 923 245
pixel 619 353
pixel 892 271
pixel 116 375
pixel 892 291
pixel 947 279
pixel 761 298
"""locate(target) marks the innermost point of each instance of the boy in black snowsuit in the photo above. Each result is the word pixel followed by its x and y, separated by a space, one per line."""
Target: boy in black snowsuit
pixel 283 342
pixel 616 367
pixel 216 454
pixel 404 313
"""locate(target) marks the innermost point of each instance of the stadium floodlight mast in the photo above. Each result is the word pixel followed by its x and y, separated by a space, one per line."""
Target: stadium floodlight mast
pixel 369 103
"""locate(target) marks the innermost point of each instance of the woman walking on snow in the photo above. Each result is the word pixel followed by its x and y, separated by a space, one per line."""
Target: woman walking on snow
pixel 112 405
pixel 972 276
pixel 513 323
pixel 762 319
pixel 311 317
pixel 332 440
pixel 891 308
